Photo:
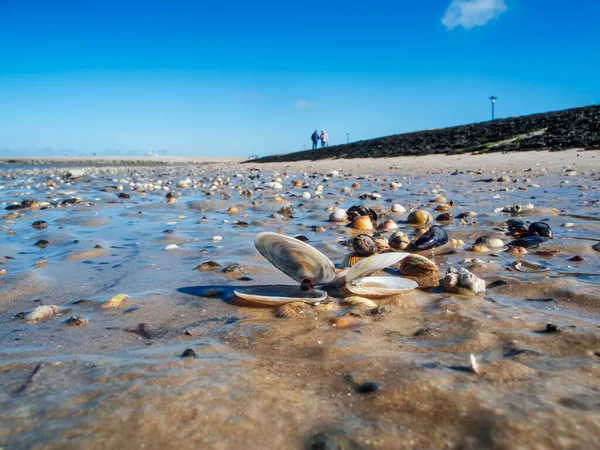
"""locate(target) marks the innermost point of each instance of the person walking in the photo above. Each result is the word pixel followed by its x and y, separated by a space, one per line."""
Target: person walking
pixel 324 139
pixel 315 139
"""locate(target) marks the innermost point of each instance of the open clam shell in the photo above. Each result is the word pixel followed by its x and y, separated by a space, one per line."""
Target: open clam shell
pixel 380 286
pixel 295 258
pixel 279 294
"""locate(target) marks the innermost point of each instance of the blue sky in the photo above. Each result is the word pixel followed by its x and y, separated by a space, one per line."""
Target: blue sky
pixel 236 78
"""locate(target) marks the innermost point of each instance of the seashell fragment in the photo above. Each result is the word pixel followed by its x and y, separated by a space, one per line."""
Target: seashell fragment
pixel 360 302
pixel 171 247
pixel 490 242
pixel 461 281
pixel 326 308
pixel 417 265
pixel 115 301
pixel 77 321
pixel 42 313
pixel 530 267
pixel 419 217
pixel 345 321
pixel 473 364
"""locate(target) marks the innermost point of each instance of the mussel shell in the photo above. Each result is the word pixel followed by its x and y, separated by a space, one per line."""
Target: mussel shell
pixel 446 217
pixel 596 247
pixel 295 258
pixel 527 241
pixel 516 225
pixel 361 210
pixel 541 229
pixel 278 294
pixel 364 245
pixel 434 237
pixel 380 286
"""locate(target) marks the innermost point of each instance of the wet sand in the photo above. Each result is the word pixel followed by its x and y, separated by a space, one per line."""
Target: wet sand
pixel 396 379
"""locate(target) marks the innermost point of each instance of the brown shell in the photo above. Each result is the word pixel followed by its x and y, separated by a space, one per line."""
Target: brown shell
pixel 443 208
pixel 352 259
pixel 445 217
pixel 417 265
pixel 364 245
pixel 362 223
pixel 293 309
pixel 419 217
pixel 399 240
pixel 388 225
pixel 344 321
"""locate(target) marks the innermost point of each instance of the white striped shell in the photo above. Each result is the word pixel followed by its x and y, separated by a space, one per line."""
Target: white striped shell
pixel 338 215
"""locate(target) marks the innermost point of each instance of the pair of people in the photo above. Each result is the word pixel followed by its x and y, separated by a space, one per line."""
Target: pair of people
pixel 323 138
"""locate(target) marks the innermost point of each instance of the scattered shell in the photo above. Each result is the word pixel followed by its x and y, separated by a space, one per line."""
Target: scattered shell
pixel 517 251
pixel 364 244
pixel 527 242
pixel 360 210
pixel 479 248
pixel 462 280
pixel 287 210
pixel 473 364
pixel 208 265
pixel 419 217
pixel 518 209
pixel 491 242
pixel 360 302
pixel 541 229
pixel 115 301
pixel 396 208
pixel 417 265
pixel 388 225
pixel 326 308
pixel 352 259
pixel 171 247
pixel 293 309
pixel 345 321
pixel 40 264
pixel 531 267
pixel 233 268
pixel 234 210
pixel 596 247
pixel 39 224
pixel 456 243
pixel 443 208
pixel 217 238
pixel 399 240
pixel 446 217
pixel 434 237
pixel 338 215
pixel 382 244
pixel 362 223
pixel 42 243
pixel 43 312
pixel 77 321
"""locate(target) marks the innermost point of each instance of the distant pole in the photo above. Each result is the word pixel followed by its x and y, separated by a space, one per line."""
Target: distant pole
pixel 347 138
pixel 493 100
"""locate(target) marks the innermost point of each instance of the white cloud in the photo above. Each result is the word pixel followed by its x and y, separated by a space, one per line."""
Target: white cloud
pixel 304 104
pixel 472 13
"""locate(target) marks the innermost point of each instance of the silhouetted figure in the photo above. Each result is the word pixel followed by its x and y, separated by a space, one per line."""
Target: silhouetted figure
pixel 315 139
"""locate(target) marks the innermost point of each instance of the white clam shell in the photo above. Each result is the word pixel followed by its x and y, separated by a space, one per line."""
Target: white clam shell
pixel 373 263
pixel 295 258
pixel 279 294
pixel 380 286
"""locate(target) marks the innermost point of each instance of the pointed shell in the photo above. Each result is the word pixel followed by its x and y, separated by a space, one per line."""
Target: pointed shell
pixel 295 258
pixel 278 294
pixel 419 217
pixel 362 223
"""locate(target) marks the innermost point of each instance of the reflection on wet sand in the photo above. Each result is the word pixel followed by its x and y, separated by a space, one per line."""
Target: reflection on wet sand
pixel 180 361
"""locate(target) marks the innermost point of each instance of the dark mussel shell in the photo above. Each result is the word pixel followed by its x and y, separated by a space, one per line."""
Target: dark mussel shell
pixel 541 229
pixel 445 217
pixel 364 245
pixel 434 237
pixel 516 225
pixel 360 210
pixel 527 242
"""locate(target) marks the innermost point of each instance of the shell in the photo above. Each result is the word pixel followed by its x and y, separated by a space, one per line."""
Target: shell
pixel 360 210
pixel 417 265
pixel 327 308
pixel 456 243
pixel 364 245
pixel 362 223
pixel 490 242
pixel 446 217
pixel 399 240
pixel 352 259
pixel 388 225
pixel 338 215
pixel 541 229
pixel 461 281
pixel 396 208
pixel 42 313
pixel 234 210
pixel 345 321
pixel 434 237
pixel 479 248
pixel 278 294
pixel 115 301
pixel 372 264
pixel 382 244
pixel 527 242
pixel 531 267
pixel 419 217
pixel 443 208
pixel 295 258
pixel 293 309
pixel 360 302
pixel 286 210
pixel 380 286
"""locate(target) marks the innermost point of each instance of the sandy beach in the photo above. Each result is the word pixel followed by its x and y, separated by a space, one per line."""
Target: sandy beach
pixel 183 362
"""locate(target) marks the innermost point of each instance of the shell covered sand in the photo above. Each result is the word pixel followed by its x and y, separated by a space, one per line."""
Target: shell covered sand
pixel 343 375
